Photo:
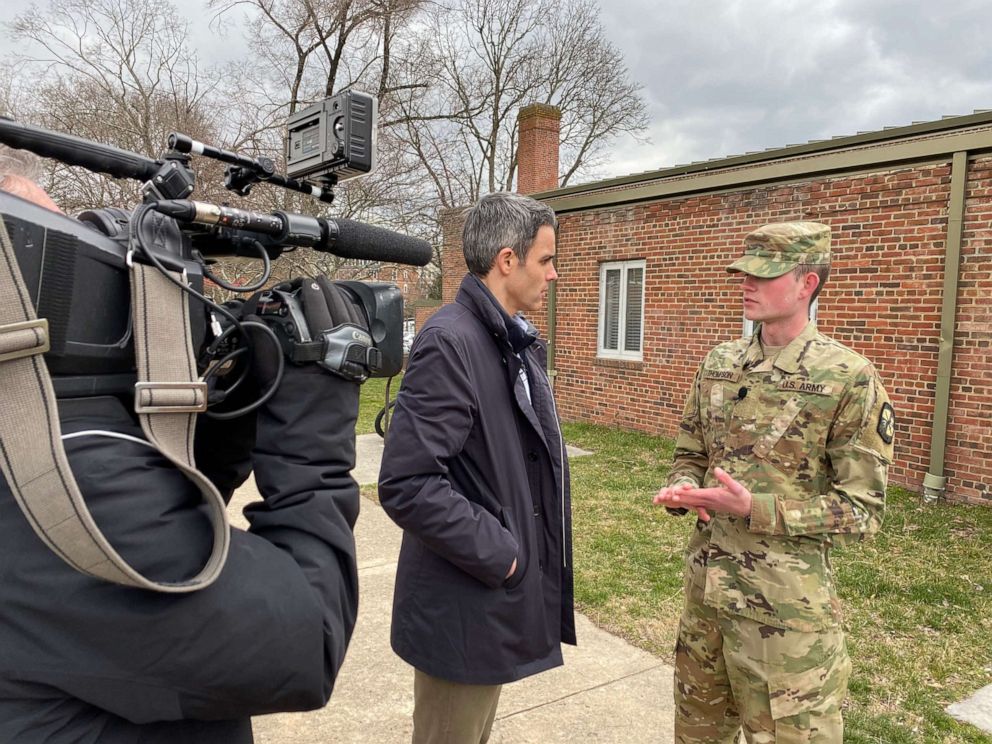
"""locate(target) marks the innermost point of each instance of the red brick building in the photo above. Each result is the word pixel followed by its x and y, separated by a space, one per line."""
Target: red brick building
pixel 643 293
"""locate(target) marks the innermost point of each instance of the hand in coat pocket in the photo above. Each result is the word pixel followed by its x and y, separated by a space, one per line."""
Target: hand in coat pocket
pixel 513 569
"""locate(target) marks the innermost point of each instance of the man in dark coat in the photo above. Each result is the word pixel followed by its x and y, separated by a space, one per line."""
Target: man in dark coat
pixel 475 472
pixel 84 661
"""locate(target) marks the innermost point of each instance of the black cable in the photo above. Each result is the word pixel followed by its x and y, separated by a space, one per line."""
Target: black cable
pixel 135 226
pixel 266 273
pixel 211 350
pixel 280 369
pixel 238 324
pixel 385 421
pixel 212 371
pixel 382 418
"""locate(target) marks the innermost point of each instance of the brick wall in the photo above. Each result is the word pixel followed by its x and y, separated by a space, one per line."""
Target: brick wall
pixel 969 435
pixel 883 299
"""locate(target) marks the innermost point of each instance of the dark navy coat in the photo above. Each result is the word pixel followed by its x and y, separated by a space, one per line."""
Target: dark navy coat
pixel 86 661
pixel 476 475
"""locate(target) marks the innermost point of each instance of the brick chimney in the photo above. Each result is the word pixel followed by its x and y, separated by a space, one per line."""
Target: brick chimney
pixel 453 266
pixel 537 151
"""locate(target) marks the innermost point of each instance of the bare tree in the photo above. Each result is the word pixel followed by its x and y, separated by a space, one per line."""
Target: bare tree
pixel 485 59
pixel 588 80
pixel 15 97
pixel 115 71
pixel 307 50
pixel 137 78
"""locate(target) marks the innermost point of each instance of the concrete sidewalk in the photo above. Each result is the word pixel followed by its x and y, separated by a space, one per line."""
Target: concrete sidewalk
pixel 607 692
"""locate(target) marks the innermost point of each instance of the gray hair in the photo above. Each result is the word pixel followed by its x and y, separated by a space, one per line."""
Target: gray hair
pixel 19 163
pixel 502 220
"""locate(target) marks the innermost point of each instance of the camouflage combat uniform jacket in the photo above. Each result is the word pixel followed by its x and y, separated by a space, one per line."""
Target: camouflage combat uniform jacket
pixel 809 433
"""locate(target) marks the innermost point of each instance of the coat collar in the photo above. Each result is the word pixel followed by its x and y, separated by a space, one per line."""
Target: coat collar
pixel 789 359
pixel 514 330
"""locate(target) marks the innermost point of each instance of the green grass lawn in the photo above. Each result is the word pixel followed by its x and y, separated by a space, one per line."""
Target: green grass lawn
pixel 918 598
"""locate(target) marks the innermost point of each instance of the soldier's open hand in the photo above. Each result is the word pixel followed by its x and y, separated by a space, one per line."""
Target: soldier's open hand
pixel 667 497
pixel 730 497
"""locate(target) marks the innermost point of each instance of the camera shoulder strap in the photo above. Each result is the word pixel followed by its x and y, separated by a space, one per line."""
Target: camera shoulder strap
pixel 32 457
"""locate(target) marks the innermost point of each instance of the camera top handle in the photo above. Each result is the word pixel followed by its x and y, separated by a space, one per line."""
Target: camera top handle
pixel 77 151
pixel 169 178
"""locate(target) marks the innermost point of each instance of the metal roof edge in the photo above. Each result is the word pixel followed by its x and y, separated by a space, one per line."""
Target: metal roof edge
pixel 978 118
pixel 868 158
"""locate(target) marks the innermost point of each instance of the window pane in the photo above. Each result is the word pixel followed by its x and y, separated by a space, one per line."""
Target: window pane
pixel 611 310
pixel 632 318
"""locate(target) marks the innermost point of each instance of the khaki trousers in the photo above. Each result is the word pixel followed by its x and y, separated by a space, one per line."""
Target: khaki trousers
pixel 452 713
pixel 780 686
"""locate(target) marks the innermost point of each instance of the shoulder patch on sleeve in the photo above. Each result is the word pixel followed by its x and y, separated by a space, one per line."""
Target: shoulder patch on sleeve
pixel 886 423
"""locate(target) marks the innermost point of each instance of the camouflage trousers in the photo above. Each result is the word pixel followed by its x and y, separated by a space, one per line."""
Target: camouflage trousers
pixel 780 686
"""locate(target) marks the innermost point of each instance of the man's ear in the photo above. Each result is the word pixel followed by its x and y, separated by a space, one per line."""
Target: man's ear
pixel 506 259
pixel 810 282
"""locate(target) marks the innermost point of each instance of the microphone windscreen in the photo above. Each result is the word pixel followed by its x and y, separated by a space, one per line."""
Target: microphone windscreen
pixel 370 243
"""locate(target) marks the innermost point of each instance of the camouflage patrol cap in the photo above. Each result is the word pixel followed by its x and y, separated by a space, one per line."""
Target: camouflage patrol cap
pixel 776 249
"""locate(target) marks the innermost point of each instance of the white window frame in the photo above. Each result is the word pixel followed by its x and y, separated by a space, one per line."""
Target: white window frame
pixel 620 353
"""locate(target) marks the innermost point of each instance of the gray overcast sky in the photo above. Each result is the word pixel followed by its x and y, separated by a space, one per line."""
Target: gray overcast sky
pixel 723 77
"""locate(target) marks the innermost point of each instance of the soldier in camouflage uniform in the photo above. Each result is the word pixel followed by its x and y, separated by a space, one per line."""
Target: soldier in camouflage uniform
pixel 783 452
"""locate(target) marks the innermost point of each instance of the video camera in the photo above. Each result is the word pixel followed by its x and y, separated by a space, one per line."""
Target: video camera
pixel 76 269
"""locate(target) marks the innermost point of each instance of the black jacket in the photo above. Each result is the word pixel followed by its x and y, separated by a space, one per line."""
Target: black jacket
pixel 476 475
pixel 82 660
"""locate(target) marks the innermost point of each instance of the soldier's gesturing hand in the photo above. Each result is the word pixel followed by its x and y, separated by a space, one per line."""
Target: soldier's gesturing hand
pixel 668 496
pixel 730 497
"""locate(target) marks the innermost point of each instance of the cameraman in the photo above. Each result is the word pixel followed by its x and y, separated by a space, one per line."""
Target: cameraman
pixel 84 660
